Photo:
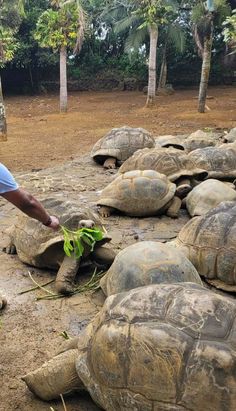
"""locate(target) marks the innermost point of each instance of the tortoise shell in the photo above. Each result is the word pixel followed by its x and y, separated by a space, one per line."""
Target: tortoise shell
pixel 231 136
pixel 147 262
pixel 171 162
pixel 198 139
pixel 219 162
pixel 121 143
pixel 208 195
pixel 40 246
pixel 209 242
pixel 138 193
pixel 168 347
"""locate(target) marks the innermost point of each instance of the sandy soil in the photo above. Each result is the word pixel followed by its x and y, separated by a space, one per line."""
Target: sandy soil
pixel 45 150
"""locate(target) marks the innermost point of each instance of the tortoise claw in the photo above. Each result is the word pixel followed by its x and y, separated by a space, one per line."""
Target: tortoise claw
pixel 10 249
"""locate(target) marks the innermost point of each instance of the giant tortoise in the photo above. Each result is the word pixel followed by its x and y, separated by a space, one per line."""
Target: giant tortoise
pixel 175 164
pixel 209 242
pixel 140 193
pixel 219 162
pixel 168 347
pixel 119 144
pixel 147 262
pixel 208 195
pixel 42 247
pixel 198 139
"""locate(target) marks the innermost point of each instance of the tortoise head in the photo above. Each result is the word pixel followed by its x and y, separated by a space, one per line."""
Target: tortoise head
pixel 86 224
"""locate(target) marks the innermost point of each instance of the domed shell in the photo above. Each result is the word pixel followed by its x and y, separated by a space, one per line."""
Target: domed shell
pixel 207 195
pixel 145 263
pixel 40 246
pixel 168 347
pixel 169 141
pixel 209 242
pixel 138 193
pixel 201 139
pixel 218 162
pixel 231 136
pixel 121 143
pixel 169 161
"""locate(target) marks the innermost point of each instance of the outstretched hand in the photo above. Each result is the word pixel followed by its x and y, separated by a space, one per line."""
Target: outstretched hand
pixel 54 223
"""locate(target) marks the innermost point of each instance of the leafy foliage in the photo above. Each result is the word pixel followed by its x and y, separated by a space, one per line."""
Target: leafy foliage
pixel 57 28
pixel 74 240
pixel 229 31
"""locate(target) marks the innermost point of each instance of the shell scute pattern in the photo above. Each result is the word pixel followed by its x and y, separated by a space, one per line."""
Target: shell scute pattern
pixel 121 143
pixel 209 241
pixel 173 163
pixel 218 162
pixel 138 192
pixel 147 262
pixel 162 347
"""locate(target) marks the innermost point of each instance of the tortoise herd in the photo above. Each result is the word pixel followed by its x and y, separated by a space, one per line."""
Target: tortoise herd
pixel 163 340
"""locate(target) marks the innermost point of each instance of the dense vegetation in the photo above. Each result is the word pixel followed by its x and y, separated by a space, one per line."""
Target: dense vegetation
pixel 127 44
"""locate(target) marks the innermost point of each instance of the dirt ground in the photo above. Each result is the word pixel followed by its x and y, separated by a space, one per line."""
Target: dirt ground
pixel 48 153
pixel 39 137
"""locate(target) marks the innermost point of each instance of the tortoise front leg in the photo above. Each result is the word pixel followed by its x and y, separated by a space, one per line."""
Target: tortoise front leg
pixel 66 275
pixel 55 377
pixel 110 163
pixel 174 207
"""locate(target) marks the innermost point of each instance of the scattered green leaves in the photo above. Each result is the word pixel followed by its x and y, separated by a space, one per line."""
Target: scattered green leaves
pixel 75 241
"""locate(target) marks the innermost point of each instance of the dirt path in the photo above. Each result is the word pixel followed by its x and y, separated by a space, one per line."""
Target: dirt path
pixel 40 138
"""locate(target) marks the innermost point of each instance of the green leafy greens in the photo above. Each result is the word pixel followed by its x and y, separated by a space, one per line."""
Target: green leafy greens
pixel 74 240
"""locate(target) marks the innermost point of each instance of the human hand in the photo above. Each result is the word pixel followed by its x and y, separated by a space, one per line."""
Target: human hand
pixel 54 223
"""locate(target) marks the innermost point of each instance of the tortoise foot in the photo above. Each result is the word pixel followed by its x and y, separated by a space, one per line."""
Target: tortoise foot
pixel 104 211
pixel 110 163
pixel 10 249
pixel 64 287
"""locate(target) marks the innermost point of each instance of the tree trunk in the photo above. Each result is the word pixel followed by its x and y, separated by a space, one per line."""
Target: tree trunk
pixel 3 122
pixel 163 71
pixel 152 66
pixel 63 80
pixel 206 65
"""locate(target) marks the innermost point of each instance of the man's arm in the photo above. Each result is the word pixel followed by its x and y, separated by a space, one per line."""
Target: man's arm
pixel 32 207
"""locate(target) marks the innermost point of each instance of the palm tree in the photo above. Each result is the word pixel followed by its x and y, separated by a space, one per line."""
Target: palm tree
pixel 11 12
pixel 141 19
pixel 60 28
pixel 204 16
pixel 173 35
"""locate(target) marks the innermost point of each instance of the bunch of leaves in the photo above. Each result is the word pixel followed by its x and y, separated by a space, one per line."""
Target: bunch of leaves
pixel 57 28
pixel 229 31
pixel 74 240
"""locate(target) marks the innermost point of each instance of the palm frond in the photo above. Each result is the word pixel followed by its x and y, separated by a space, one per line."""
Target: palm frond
pixel 81 31
pixel 127 23
pixel 135 40
pixel 177 37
